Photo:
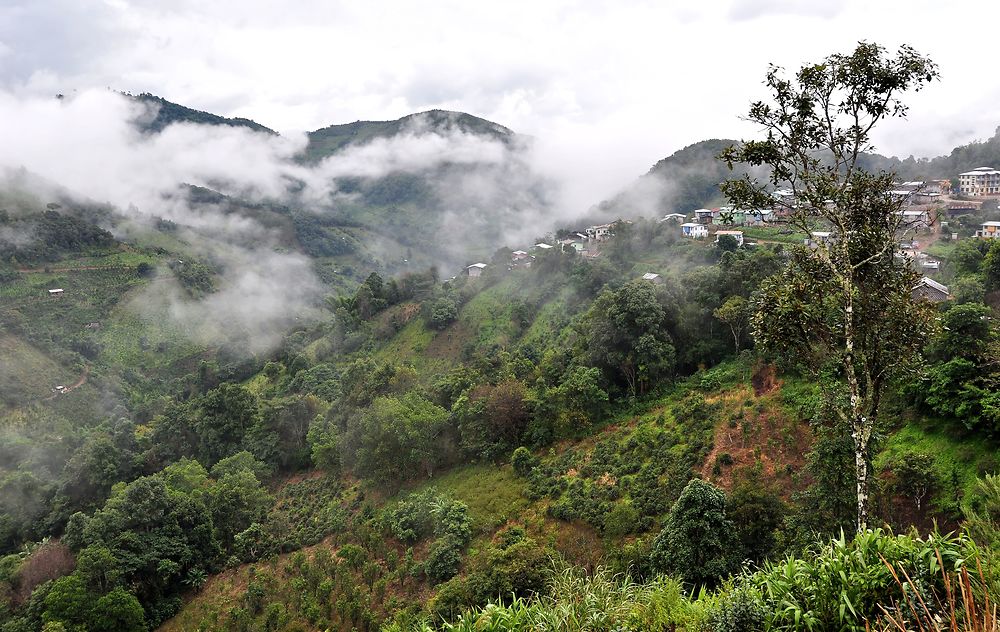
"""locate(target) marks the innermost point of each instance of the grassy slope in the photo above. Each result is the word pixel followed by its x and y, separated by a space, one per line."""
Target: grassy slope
pixel 761 431
pixel 27 374
pixel 496 496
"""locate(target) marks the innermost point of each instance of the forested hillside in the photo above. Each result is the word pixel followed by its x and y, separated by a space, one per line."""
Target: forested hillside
pixel 600 434
pixel 429 446
pixel 164 113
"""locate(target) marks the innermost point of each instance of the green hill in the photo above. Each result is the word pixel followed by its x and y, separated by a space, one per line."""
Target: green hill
pixel 467 450
pixel 329 140
pixel 168 113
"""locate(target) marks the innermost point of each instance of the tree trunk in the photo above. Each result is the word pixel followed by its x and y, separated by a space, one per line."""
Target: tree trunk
pixel 860 422
pixel 861 469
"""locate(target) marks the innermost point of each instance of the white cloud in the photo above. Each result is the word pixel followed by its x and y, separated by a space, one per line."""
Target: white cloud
pixel 609 87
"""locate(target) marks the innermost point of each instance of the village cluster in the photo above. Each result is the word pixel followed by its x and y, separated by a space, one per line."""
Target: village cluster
pixel 926 207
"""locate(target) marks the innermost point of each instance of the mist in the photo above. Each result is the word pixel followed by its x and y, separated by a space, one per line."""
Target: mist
pixel 89 146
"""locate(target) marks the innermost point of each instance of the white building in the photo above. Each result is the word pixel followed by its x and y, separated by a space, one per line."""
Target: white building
pixel 979 181
pixel 990 230
pixel 694 230
pixel 915 219
pixel 475 270
pixel 735 234
pixel 653 278
pixel 600 232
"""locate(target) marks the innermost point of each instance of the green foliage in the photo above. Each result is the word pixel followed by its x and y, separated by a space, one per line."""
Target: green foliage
pixel 522 461
pixel 961 383
pixel 491 419
pixel 698 541
pixel 195 277
pixel 757 513
pixel 443 312
pixel 628 336
pixel 53 234
pixel 68 601
pixel 840 586
pixel 394 438
pixel 991 268
pixel 118 611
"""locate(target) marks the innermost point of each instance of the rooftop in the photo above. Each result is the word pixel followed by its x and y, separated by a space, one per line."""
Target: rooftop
pixel 929 282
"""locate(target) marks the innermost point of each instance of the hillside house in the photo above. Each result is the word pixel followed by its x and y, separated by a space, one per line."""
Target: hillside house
pixel 728 216
pixel 600 232
pixel 902 194
pixel 819 237
pixel 56 292
pixel 520 259
pixel 475 270
pixel 705 215
pixel 674 217
pixel 653 278
pixel 759 216
pixel 543 247
pixel 735 234
pixel 981 181
pixel 570 245
pixel 914 219
pixel 694 230
pixel 963 207
pixel 990 230
pixel 926 197
pixel 929 289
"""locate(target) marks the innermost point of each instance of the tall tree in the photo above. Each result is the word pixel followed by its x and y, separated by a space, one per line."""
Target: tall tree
pixel 844 302
pixel 629 336
pixel 698 541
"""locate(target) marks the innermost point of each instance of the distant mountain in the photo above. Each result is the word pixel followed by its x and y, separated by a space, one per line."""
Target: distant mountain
pixel 329 140
pixel 168 112
pixel 684 181
pixel 689 178
pixel 452 210
pixel 963 158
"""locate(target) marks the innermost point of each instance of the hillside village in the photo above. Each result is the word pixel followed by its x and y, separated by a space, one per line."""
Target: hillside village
pixel 930 212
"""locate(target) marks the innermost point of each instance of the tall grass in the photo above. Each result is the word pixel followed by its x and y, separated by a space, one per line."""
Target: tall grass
pixel 875 582
pixel 965 605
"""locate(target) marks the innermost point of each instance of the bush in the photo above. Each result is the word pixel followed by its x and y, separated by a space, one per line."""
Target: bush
pixel 698 542
pixel 444 559
pixel 523 461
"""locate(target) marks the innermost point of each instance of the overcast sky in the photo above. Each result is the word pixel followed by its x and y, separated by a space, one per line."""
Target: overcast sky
pixel 608 87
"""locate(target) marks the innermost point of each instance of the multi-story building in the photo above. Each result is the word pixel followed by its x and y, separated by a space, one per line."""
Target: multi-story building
pixel 990 230
pixel 979 181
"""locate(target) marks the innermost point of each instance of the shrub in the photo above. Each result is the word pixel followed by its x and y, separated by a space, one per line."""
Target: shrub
pixel 523 461
pixel 698 542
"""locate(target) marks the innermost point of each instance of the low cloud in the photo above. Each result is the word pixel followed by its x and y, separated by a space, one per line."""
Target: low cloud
pixel 485 191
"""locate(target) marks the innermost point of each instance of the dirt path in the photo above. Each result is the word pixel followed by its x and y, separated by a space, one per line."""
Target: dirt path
pixel 80 382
